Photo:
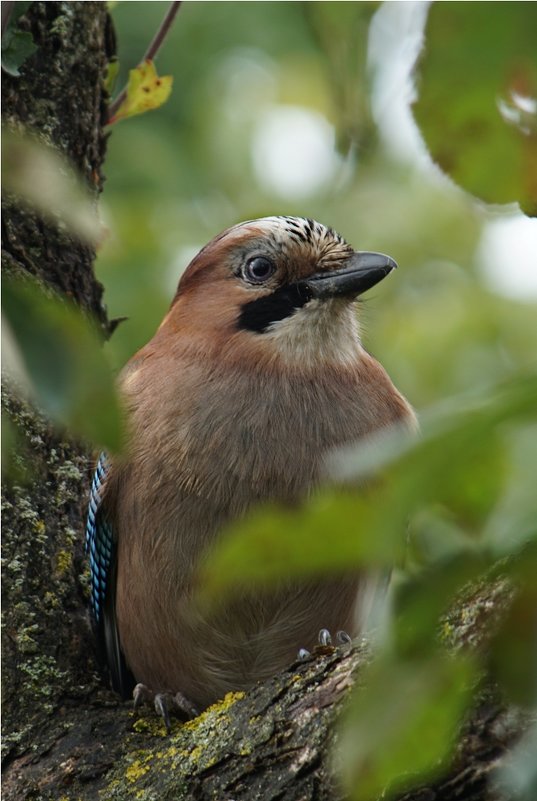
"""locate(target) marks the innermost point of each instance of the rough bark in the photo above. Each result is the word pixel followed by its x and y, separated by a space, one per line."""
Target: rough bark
pixel 59 97
pixel 65 735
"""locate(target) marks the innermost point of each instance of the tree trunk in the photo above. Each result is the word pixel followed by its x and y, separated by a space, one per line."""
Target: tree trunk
pixel 59 96
pixel 66 736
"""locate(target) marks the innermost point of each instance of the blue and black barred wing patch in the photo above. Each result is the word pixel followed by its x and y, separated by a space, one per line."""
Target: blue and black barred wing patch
pixel 101 547
pixel 99 541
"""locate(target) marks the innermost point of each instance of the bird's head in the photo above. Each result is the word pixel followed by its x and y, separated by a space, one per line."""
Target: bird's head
pixel 282 287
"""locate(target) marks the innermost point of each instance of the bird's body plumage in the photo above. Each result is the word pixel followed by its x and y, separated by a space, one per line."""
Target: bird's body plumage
pixel 237 399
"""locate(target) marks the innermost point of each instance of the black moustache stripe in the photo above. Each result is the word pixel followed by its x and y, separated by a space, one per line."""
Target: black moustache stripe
pixel 257 315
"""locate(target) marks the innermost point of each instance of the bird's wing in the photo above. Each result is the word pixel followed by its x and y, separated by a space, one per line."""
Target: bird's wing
pixel 101 547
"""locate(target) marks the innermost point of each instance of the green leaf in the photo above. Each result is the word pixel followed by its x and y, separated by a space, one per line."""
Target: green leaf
pixel 345 530
pixel 513 522
pixel 17 45
pixel 341 32
pixel 63 360
pixel 477 84
pixel 20 46
pixel 19 8
pixel 513 651
pixel 331 533
pixel 420 600
pixel 446 433
pixel 400 726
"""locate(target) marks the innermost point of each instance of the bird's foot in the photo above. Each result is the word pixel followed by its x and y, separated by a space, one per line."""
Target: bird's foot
pixel 165 704
pixel 325 643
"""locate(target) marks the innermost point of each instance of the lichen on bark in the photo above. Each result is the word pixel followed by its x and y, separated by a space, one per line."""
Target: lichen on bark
pixel 45 627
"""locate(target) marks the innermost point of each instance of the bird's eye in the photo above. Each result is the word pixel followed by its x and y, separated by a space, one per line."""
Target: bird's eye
pixel 258 269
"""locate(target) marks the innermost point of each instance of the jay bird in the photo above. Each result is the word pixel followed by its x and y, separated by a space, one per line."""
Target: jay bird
pixel 255 373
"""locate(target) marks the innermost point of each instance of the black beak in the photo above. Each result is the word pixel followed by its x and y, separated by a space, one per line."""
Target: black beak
pixel 362 271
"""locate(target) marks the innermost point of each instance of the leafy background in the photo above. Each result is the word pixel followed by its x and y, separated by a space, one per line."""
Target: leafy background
pixel 308 109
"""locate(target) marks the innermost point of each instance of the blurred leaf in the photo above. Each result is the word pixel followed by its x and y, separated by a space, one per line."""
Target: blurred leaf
pixel 40 177
pixel 435 536
pixel 332 533
pixel 513 652
pixel 400 728
pixel 514 649
pixel 346 530
pixel 341 31
pixel 145 92
pixel 517 778
pixel 513 523
pixel 475 485
pixel 17 45
pixel 477 106
pixel 63 359
pixel 420 600
pixel 446 431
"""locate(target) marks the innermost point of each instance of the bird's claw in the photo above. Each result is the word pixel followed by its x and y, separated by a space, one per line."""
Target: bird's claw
pixel 165 704
pixel 325 643
pixel 141 694
pixel 343 638
pixel 325 638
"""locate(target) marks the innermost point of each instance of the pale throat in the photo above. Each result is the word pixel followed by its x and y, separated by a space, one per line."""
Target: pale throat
pixel 321 332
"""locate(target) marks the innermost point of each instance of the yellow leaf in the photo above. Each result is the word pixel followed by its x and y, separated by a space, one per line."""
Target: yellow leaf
pixel 145 91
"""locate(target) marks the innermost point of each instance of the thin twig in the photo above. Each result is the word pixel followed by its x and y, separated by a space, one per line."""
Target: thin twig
pixel 162 31
pixel 150 53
